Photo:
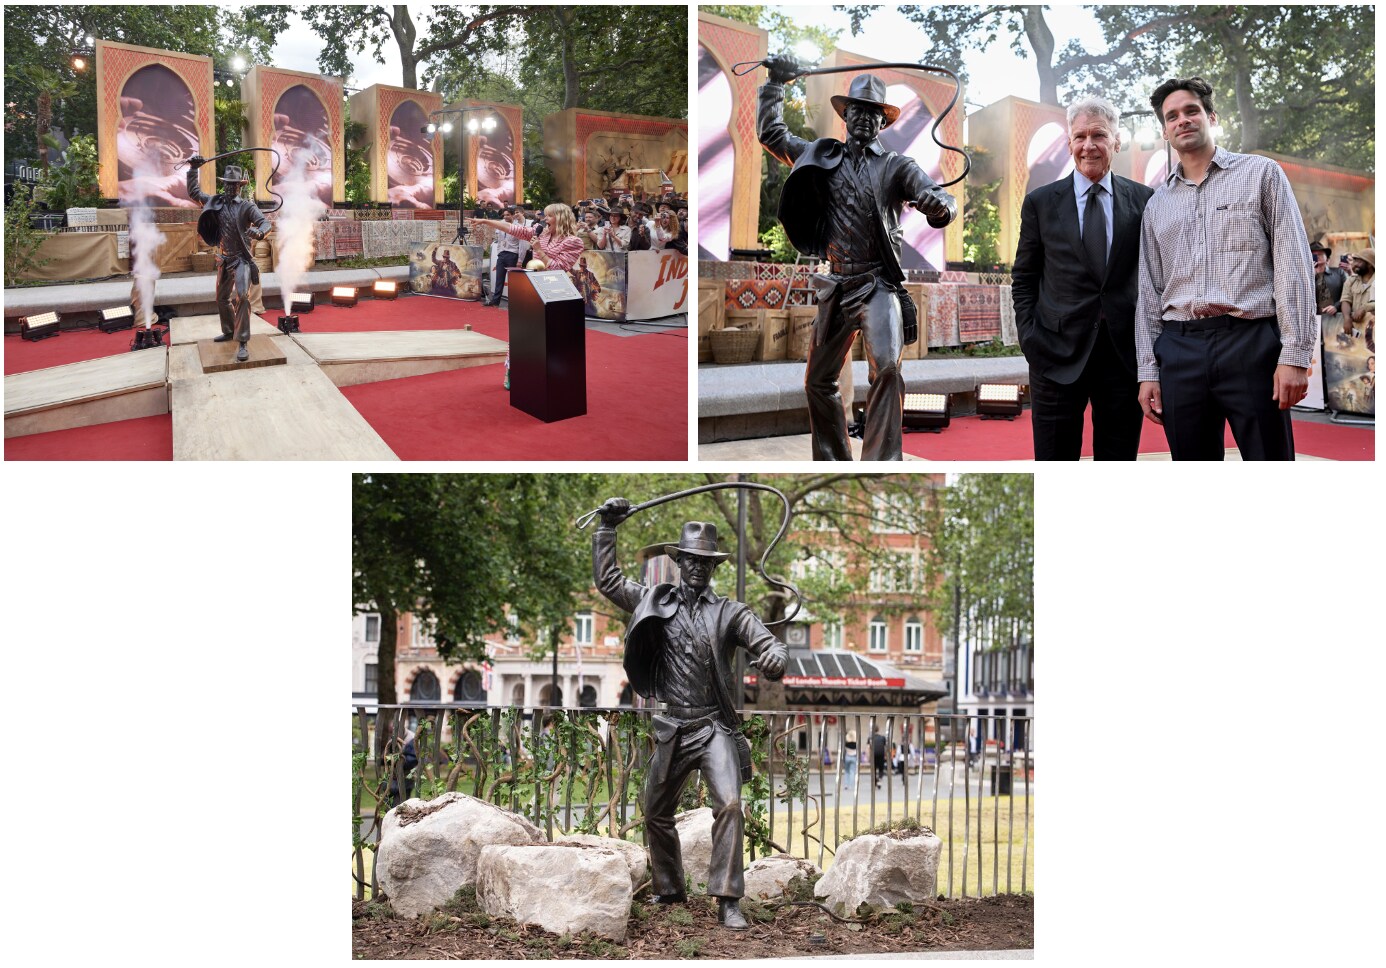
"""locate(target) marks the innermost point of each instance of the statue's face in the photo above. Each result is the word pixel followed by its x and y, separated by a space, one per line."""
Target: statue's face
pixel 696 570
pixel 863 122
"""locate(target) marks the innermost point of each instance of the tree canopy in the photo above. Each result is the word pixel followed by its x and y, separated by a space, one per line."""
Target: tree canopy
pixel 46 35
pixel 1298 80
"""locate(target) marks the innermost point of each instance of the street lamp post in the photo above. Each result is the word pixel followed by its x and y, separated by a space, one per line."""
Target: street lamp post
pixel 465 126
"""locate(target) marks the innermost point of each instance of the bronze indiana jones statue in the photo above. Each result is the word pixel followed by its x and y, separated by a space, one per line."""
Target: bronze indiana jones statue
pixel 842 203
pixel 679 649
pixel 229 222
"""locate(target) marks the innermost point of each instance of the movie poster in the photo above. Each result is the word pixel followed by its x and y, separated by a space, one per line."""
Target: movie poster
pixel 157 128
pixel 1349 368
pixel 409 162
pixel 451 271
pixel 495 165
pixel 600 277
pixel 303 138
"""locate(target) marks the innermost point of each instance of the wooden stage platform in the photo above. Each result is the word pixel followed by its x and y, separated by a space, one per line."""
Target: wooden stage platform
pixel 291 410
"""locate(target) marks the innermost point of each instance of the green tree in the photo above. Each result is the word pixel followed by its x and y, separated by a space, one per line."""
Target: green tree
pixel 980 569
pixel 74 183
pixel 981 218
pixel 45 35
pixel 1299 80
pixel 357 187
pixel 22 240
pixel 457 550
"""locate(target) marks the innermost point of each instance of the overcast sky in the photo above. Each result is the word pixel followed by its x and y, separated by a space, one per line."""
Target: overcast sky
pixel 298 49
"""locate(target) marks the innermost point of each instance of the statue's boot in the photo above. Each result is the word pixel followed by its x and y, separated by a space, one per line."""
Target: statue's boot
pixel 729 913
pixel 242 354
pixel 223 338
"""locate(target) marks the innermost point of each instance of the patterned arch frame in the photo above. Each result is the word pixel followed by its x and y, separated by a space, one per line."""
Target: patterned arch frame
pixel 728 42
pixel 115 63
pixel 261 91
pixel 514 116
pixel 375 106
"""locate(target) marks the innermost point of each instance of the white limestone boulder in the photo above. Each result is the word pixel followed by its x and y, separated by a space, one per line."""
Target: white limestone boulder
pixel 767 877
pixel 636 858
pixel 563 888
pixel 881 870
pixel 429 848
pixel 695 844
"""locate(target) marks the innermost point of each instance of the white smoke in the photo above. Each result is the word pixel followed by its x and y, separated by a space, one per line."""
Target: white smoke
pixel 293 229
pixel 145 240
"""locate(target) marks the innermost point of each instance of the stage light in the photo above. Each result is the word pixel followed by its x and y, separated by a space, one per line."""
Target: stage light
pixel 121 317
pixel 488 123
pixel 79 63
pixel 343 296
pixel 926 411
pixel 998 400
pixel 385 290
pixel 447 127
pixel 41 326
pixel 472 126
pixel 230 83
pixel 288 324
pixel 91 41
pixel 299 302
pixel 238 63
pixel 430 128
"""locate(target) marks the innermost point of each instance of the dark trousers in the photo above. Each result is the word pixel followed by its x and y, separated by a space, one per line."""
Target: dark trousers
pixel 1056 409
pixel 700 745
pixel 233 298
pixel 504 263
pixel 1220 371
pixel 874 311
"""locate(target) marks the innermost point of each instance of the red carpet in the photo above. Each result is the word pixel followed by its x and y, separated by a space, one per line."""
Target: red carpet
pixel 73 346
pixel 405 313
pixel 637 409
pixel 972 438
pixel 144 438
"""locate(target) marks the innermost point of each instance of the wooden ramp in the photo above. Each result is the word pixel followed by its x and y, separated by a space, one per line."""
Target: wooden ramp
pixel 352 358
pixel 269 413
pixel 104 390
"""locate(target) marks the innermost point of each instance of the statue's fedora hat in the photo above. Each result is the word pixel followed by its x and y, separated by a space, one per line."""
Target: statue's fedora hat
pixel 866 89
pixel 698 538
pixel 234 173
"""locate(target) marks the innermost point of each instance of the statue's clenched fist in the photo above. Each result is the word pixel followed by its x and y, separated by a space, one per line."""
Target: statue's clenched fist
pixel 614 511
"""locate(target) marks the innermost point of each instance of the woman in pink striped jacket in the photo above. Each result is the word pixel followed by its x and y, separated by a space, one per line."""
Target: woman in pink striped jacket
pixel 557 247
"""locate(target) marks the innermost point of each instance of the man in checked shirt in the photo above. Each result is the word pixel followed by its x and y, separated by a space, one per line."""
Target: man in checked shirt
pixel 1225 317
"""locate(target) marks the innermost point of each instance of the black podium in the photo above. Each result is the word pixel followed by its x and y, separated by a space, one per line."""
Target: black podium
pixel 548 345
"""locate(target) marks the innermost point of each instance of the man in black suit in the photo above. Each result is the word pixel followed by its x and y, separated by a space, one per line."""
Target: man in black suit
pixel 842 202
pixel 1074 289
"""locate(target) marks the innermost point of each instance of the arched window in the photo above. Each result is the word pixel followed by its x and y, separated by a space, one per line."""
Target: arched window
pixel 549 696
pixel 914 635
pixel 469 688
pixel 880 635
pixel 425 688
pixel 627 697
pixel 588 698
pixel 517 695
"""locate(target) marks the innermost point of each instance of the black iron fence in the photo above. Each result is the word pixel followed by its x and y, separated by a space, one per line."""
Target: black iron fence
pixel 969 779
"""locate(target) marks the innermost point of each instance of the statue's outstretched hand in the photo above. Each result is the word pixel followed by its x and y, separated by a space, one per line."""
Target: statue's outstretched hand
pixel 614 511
pixel 782 68
pixel 939 207
pixel 771 662
pixel 196 162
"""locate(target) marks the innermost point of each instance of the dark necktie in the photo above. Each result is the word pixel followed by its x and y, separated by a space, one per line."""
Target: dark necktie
pixel 1095 231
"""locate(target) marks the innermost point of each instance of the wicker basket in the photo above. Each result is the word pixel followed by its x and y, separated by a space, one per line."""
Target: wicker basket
pixel 204 261
pixel 734 345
